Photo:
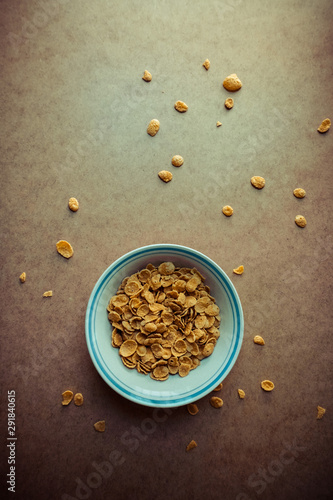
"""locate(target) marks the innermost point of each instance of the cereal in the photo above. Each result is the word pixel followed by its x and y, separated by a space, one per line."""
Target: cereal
pixel 153 127
pixel 229 103
pixel 164 320
pixel 321 412
pixel 267 385
pixel 100 426
pixel 258 340
pixel 191 445
pixel 299 193
pixel 192 409
pixel 23 277
pixel 324 126
pixel 218 388
pixel 239 270
pixel 218 124
pixel 300 221
pixel 67 397
pixel 181 106
pixel 65 249
pixel 177 161
pixel 216 402
pixel 241 394
pixel 227 210
pixel 78 399
pixel 165 175
pixel 258 182
pixel 48 293
pixel 73 204
pixel 147 76
pixel 232 83
pixel 206 64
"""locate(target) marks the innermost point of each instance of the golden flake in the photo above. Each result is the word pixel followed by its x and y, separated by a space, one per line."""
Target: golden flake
pixel 67 397
pixel 64 248
pixel 239 270
pixel 324 126
pixel 232 83
pixel 267 385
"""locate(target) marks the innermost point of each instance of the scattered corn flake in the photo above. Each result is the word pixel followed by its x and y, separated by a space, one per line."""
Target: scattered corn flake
pixel 229 103
pixel 73 204
pixel 239 270
pixel 218 124
pixel 191 445
pixel 78 399
pixel 206 64
pixel 324 126
pixel 181 106
pixel 321 412
pixel 267 385
pixel 216 402
pixel 165 175
pixel 153 127
pixel 100 426
pixel 300 221
pixel 65 249
pixel 227 210
pixel 67 397
pixel 218 388
pixel 299 193
pixel 177 161
pixel 147 76
pixel 49 293
pixel 241 394
pixel 258 182
pixel 258 340
pixel 192 409
pixel 23 277
pixel 232 83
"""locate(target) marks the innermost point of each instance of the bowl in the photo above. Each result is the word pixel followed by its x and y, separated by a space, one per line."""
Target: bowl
pixel 176 390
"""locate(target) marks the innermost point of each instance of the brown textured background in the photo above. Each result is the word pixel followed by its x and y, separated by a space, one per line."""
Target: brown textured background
pixel 74 112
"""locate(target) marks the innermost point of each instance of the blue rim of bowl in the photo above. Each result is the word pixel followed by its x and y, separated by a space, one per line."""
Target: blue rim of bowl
pixel 97 357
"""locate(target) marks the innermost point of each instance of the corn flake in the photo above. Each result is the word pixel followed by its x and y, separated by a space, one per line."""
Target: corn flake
pixel 192 409
pixel 239 270
pixel 320 412
pixel 267 385
pixel 23 277
pixel 324 126
pixel 241 393
pixel 100 426
pixel 216 402
pixel 258 340
pixel 64 248
pixel 67 397
pixel 191 445
pixel 78 399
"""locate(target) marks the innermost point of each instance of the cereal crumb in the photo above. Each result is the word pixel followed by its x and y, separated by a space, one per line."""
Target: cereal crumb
pixel 258 182
pixel 300 221
pixel 78 399
pixel 216 402
pixel 73 204
pixel 321 412
pixel 181 106
pixel 191 445
pixel 177 161
pixel 227 210
pixel 239 270
pixel 67 397
pixel 229 103
pixel 153 127
pixel 206 64
pixel 23 277
pixel 218 124
pixel 241 394
pixel 232 83
pixel 258 340
pixel 324 126
pixel 218 388
pixel 100 426
pixel 65 249
pixel 147 76
pixel 267 385
pixel 49 293
pixel 192 409
pixel 165 175
pixel 299 193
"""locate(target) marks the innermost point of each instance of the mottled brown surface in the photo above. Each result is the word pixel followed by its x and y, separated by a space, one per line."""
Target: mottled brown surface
pixel 74 114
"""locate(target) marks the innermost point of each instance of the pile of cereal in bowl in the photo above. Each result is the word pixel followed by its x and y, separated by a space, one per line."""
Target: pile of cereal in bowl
pixel 164 320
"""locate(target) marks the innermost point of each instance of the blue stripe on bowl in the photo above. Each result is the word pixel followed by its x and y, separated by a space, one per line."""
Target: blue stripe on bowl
pixel 97 356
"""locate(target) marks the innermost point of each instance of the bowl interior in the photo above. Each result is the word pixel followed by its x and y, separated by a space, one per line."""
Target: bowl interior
pixel 175 391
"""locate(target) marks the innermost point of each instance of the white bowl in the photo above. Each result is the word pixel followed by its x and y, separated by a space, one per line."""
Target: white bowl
pixel 175 391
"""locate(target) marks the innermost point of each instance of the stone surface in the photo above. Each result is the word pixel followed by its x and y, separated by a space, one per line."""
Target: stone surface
pixel 74 113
